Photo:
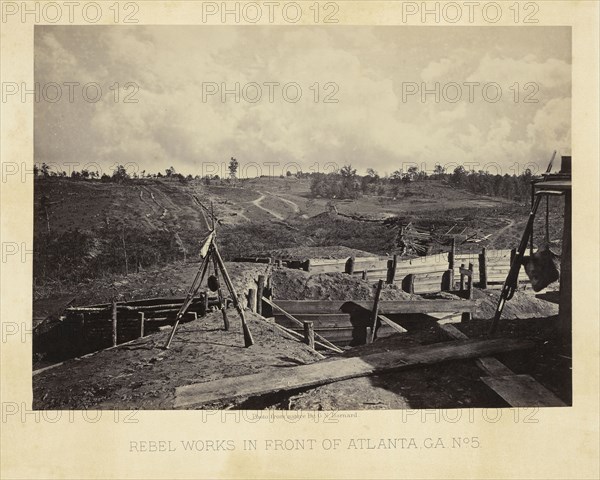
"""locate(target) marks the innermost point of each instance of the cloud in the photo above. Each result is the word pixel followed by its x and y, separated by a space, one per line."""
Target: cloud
pixel 361 67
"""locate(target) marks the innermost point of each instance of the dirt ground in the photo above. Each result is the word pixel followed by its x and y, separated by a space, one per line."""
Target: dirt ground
pixel 332 252
pixel 164 281
pixel 291 284
pixel 141 375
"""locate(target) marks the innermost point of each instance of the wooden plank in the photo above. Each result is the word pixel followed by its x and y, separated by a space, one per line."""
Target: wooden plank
pixel 490 365
pixel 422 269
pixel 377 265
pixel 341 336
pixel 311 306
pixel 278 307
pixel 320 320
pixel 427 288
pixel 516 390
pixel 391 324
pixel 320 373
pixel 342 261
pixel 385 306
pixel 523 391
pixel 328 269
pixel 375 313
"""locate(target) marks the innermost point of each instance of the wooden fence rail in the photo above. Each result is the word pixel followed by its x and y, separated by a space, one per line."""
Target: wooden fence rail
pixel 427 274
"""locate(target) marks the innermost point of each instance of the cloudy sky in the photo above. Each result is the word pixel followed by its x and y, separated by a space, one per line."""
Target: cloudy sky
pixel 372 72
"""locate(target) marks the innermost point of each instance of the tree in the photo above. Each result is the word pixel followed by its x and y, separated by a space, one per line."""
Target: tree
pixel 348 172
pixel 170 172
pixel 412 172
pixel 459 176
pixel 45 170
pixel 233 168
pixel 396 176
pixel 372 173
pixel 120 174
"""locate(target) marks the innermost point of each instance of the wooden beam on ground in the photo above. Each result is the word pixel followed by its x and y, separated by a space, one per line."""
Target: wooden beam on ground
pixel 321 373
pixel 516 390
pixel 523 391
pixel 490 365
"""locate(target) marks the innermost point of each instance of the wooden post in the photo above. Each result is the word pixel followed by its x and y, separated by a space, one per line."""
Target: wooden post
pixel 470 283
pixel 391 273
pixel 82 333
pixel 252 299
pixel 259 294
pixel 408 283
pixel 306 266
pixel 483 274
pixel 462 278
pixel 513 254
pixel 309 334
pixel 364 275
pixel 451 263
pixel 114 323
pixel 447 280
pixel 142 321
pixel 375 313
pixel 205 301
pixel 350 266
pixel 465 317
pixel 452 254
pixel 565 306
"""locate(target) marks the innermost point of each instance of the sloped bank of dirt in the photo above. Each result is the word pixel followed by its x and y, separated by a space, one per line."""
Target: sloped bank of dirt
pixel 142 375
pixel 329 252
pixel 291 284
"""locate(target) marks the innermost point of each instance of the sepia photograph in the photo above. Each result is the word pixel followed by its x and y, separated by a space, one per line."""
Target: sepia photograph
pixel 315 217
pixel 299 240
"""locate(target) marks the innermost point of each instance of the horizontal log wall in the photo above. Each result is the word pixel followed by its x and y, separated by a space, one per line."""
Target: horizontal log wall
pixel 429 270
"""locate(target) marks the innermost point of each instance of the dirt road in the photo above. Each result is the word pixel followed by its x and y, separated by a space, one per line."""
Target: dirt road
pixel 257 204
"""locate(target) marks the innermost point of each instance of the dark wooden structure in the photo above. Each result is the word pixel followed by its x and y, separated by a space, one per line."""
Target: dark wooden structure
pixel 560 184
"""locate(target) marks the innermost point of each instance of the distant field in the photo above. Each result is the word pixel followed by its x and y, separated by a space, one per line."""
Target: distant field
pixel 103 228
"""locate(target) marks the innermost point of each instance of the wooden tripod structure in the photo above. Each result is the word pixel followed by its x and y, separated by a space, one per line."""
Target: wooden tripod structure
pixel 210 252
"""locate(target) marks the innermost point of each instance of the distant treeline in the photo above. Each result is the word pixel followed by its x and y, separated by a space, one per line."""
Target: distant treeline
pixel 347 184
